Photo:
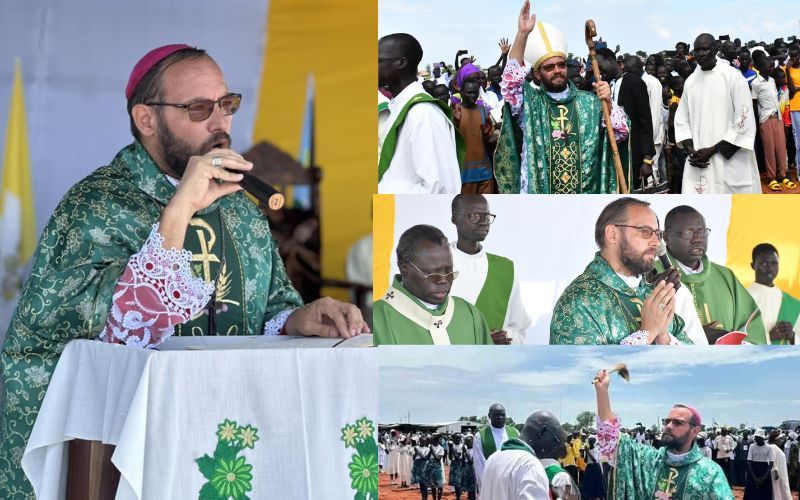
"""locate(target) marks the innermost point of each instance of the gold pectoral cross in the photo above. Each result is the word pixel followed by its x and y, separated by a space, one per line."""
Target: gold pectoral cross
pixel 669 489
pixel 562 116
pixel 205 256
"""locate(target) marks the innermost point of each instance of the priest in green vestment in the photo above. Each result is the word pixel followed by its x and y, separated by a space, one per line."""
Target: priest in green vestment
pixel 418 307
pixel 160 242
pixel 779 310
pixel 677 470
pixel 611 302
pixel 553 139
pixel 722 302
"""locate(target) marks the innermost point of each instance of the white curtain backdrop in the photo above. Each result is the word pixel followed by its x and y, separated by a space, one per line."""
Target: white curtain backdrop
pixel 550 238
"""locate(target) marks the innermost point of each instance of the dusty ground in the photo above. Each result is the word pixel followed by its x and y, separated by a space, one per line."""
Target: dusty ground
pixel 395 492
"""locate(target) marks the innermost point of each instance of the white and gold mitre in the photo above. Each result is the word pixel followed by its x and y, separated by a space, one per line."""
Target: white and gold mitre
pixel 544 41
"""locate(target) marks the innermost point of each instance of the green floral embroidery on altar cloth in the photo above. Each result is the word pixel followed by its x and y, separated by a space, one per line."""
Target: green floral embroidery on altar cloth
pixel 364 464
pixel 229 475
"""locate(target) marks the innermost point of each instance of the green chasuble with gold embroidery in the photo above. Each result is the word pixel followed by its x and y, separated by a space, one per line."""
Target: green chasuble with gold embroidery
pixel 565 148
pixel 400 318
pixel 84 250
pixel 599 308
pixel 643 472
pixel 719 296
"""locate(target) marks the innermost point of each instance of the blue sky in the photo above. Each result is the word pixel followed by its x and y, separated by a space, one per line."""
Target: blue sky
pixel 753 385
pixel 446 26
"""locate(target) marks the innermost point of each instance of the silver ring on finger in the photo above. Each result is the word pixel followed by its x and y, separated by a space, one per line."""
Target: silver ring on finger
pixel 216 161
pixel 661 306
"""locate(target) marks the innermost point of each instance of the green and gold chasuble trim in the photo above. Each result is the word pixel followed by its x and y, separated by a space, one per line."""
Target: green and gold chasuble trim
pixel 599 308
pixel 719 296
pixel 567 150
pixel 643 472
pixel 390 141
pixel 487 439
pixel 82 253
pixel 392 325
pixel 496 292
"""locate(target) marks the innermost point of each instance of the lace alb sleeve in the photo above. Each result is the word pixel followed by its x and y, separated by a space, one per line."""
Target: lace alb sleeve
pixel 156 292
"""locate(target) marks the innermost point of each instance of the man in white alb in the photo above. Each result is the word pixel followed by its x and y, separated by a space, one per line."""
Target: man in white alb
pixel 486 280
pixel 716 126
pixel 416 136
pixel 489 439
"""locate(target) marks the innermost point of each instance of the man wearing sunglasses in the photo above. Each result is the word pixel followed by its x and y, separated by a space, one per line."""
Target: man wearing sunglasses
pixel 721 301
pixel 418 308
pixel 565 146
pixel 611 302
pixel 161 242
pixel 487 280
pixel 677 470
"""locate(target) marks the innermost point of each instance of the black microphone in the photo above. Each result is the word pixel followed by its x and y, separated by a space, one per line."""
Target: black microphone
pixel 662 255
pixel 262 191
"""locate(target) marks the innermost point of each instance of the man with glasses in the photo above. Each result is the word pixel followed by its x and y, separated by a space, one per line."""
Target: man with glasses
pixel 526 467
pixel 161 242
pixel 486 280
pixel 611 302
pixel 676 470
pixel 565 147
pixel 418 308
pixel 721 302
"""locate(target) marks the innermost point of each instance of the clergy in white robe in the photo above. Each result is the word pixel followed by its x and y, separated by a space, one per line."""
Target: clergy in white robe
pixel 716 111
pixel 776 306
pixel 515 474
pixel 779 474
pixel 424 159
pixel 496 290
pixel 654 94
pixel 490 438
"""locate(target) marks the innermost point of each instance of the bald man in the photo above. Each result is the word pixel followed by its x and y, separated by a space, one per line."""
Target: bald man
pixel 715 123
pixel 527 468
pixel 489 439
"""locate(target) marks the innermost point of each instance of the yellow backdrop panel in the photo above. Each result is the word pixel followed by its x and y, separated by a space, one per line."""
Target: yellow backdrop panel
pixel 765 219
pixel 334 40
pixel 382 241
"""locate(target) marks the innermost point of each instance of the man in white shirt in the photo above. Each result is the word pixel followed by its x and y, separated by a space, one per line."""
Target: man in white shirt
pixel 773 137
pixel 417 150
pixel 725 445
pixel 486 280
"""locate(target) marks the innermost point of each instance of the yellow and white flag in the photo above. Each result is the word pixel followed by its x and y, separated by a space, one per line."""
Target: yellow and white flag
pixel 17 221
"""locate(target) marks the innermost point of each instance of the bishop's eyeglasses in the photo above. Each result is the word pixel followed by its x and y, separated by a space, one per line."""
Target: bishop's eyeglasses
pixel 646 231
pixel 201 109
pixel 435 278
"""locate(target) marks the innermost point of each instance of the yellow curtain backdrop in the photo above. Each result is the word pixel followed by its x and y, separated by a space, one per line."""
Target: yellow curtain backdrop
pixel 382 241
pixel 336 41
pixel 765 219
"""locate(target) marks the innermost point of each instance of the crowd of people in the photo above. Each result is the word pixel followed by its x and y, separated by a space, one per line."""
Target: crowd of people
pixel 712 118
pixel 458 293
pixel 595 463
